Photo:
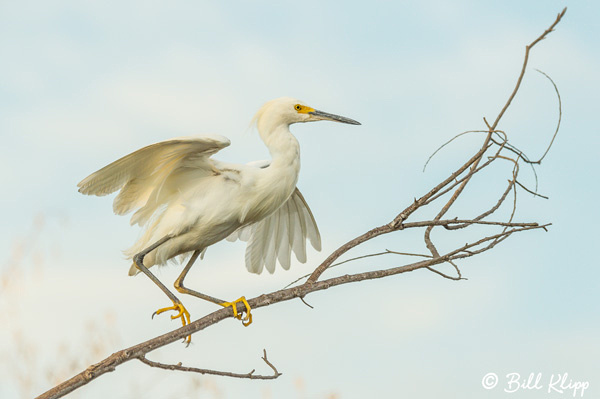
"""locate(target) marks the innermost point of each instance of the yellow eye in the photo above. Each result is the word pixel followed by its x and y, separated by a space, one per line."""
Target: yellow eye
pixel 303 109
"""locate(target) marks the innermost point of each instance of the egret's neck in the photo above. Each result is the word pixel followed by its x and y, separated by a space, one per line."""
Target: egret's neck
pixel 283 146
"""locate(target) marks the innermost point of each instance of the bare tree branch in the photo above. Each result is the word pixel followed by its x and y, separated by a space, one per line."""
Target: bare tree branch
pixel 178 367
pixel 520 79
pixel 136 352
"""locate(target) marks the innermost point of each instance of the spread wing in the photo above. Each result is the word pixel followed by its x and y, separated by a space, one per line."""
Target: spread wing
pixel 275 237
pixel 148 176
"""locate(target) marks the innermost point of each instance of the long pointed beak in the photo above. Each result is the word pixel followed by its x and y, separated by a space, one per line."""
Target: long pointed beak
pixel 324 116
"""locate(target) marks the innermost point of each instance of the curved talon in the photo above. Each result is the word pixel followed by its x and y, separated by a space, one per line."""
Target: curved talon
pixel 178 315
pixel 246 321
pixel 183 314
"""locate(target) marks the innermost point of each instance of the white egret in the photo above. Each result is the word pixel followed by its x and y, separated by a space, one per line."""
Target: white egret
pixel 187 201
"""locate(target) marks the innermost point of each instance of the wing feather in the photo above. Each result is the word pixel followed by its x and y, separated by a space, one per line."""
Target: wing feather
pixel 270 254
pixel 273 239
pixel 255 249
pixel 283 255
pixel 312 231
pixel 301 253
pixel 144 175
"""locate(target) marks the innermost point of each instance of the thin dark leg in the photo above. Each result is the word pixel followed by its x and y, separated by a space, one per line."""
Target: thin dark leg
pixel 237 313
pixel 179 282
pixel 183 314
pixel 138 260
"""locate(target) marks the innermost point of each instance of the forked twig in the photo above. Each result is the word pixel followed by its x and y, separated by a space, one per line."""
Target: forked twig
pixel 178 367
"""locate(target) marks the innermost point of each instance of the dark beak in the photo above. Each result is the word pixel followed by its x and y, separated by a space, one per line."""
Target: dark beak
pixel 324 116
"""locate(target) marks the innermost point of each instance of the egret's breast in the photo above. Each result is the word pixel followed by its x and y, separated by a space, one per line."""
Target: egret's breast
pixel 269 191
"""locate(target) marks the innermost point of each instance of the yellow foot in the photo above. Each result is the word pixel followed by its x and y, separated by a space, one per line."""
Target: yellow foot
pixel 246 321
pixel 183 314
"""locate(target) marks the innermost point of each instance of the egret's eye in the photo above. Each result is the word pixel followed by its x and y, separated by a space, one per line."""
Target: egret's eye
pixel 303 109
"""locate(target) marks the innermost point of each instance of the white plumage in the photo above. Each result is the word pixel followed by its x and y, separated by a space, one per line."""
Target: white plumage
pixel 176 189
pixel 274 237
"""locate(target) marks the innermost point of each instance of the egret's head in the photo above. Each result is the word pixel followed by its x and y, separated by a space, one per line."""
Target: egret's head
pixel 286 110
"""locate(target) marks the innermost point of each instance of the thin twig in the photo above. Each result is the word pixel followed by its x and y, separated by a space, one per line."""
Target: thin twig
pixel 386 252
pixel 306 303
pixel 337 264
pixel 444 275
pixel 450 222
pixel 461 180
pixel 539 161
pixel 530 191
pixel 448 142
pixel 275 372
pixel 178 367
pixel 525 158
pixel 527 50
pixel 512 184
pixel 493 209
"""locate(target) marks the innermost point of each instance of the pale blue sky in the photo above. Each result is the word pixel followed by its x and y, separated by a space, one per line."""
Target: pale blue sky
pixel 83 83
